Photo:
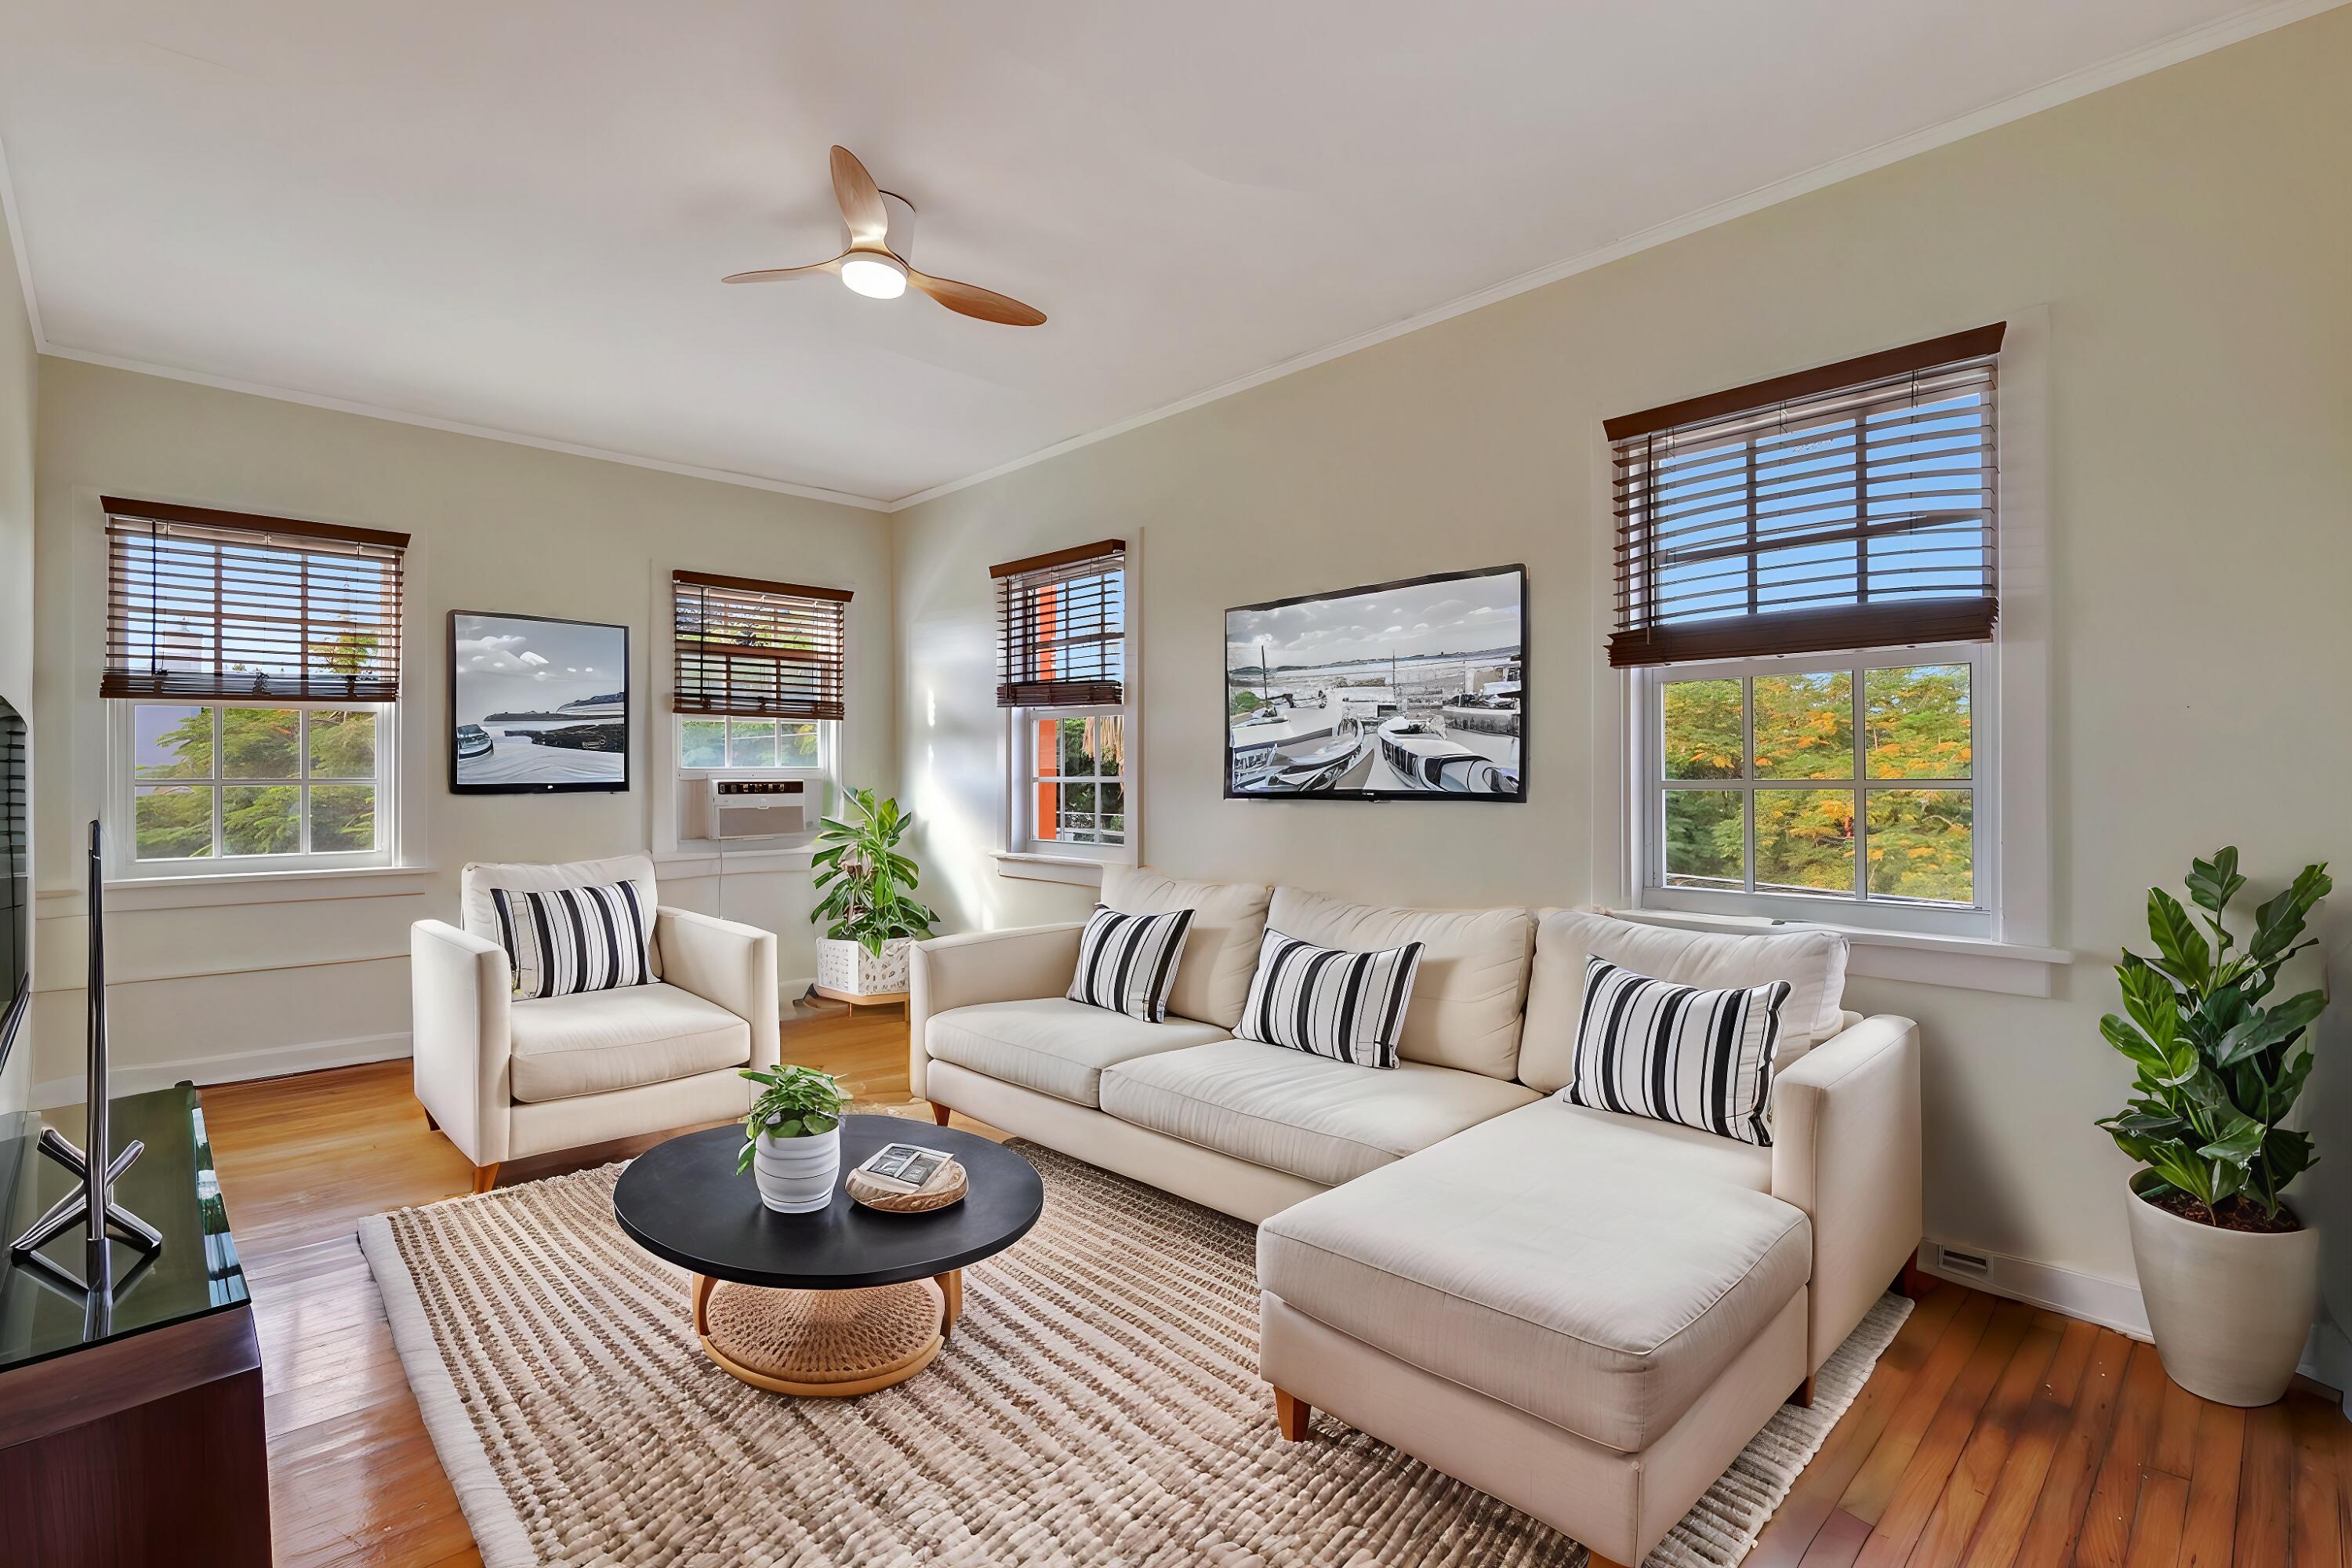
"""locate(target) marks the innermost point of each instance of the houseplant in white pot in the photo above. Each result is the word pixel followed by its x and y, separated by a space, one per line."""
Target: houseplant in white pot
pixel 2228 1270
pixel 866 886
pixel 792 1139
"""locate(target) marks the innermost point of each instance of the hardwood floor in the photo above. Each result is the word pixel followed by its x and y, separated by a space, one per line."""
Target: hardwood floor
pixel 1990 1435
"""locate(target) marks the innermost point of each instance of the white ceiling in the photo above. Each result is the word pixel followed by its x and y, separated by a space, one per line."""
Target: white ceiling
pixel 514 215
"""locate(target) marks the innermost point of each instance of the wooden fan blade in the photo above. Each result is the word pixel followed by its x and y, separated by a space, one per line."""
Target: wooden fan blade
pixel 774 273
pixel 969 299
pixel 861 202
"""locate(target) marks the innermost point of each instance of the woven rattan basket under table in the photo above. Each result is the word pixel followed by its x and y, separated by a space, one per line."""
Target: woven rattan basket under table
pixel 841 1301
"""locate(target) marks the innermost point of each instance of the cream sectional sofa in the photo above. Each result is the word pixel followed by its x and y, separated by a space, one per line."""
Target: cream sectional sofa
pixel 1585 1314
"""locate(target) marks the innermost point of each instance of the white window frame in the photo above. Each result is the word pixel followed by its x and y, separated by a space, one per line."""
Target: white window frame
pixel 1022 782
pixel 1019 852
pixel 1858 908
pixel 2015 959
pixel 123 788
pixel 828 750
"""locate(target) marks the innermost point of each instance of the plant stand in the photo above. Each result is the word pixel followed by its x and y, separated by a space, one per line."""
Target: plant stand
pixel 854 1000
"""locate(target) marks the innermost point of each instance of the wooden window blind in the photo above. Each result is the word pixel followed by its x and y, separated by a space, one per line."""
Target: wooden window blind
pixel 1061 627
pixel 760 650
pixel 225 605
pixel 1848 506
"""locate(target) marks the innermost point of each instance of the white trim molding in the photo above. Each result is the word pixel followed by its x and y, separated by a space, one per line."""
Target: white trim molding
pixel 236 1067
pixel 2110 1303
pixel 1052 868
pixel 1968 963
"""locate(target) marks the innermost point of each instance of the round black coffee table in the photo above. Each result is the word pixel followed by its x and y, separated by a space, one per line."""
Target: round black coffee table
pixel 839 1301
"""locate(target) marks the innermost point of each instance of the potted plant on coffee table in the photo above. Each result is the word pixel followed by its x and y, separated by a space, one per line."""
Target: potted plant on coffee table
pixel 866 886
pixel 792 1139
pixel 2228 1270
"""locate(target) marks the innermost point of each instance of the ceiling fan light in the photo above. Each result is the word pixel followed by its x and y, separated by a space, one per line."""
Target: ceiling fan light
pixel 876 276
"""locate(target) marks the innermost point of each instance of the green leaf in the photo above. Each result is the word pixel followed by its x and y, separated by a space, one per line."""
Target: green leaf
pixel 818 1122
pixel 2213 883
pixel 2237 1144
pixel 2280 920
pixel 2181 945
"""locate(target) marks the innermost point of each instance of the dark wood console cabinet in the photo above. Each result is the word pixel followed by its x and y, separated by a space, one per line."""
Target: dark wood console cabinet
pixel 133 1435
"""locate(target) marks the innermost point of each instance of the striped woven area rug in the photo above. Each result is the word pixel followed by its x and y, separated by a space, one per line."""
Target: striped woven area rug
pixel 1098 1404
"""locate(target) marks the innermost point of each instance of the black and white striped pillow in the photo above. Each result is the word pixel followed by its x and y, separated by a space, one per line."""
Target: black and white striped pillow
pixel 567 939
pixel 1673 1053
pixel 1127 962
pixel 1349 1007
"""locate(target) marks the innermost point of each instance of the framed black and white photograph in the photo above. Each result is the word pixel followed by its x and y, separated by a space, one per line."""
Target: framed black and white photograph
pixel 538 706
pixel 1411 690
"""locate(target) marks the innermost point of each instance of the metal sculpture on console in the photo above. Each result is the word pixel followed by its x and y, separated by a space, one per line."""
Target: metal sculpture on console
pixel 91 1203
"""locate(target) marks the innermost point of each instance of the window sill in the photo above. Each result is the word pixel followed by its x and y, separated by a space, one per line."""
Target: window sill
pixel 1970 964
pixel 126 894
pixel 1067 869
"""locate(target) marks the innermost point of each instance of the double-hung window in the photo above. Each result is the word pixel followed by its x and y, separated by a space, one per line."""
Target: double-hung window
pixel 762 677
pixel 1062 682
pixel 1807 592
pixel 252 670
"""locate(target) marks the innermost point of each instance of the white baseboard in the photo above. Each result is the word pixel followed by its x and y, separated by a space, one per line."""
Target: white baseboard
pixel 274 1061
pixel 234 1066
pixel 2114 1304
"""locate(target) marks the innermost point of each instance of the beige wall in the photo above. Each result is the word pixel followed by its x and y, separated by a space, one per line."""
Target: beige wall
pixel 18 375
pixel 242 989
pixel 2187 234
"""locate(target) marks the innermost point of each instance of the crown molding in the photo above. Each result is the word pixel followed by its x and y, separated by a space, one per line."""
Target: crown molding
pixel 2149 57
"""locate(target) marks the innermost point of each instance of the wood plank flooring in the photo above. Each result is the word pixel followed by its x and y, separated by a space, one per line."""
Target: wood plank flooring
pixel 1991 1434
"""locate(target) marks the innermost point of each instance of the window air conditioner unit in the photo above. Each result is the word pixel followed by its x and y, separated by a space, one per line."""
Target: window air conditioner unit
pixel 753 808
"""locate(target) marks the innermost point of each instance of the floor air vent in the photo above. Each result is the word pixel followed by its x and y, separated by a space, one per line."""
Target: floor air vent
pixel 1967 1265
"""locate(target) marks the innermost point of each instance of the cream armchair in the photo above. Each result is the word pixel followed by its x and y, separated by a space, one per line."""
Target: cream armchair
pixel 506 1079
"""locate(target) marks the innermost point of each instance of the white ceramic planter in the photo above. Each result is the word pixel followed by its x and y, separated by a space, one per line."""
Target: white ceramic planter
pixel 847 969
pixel 2230 1309
pixel 796 1175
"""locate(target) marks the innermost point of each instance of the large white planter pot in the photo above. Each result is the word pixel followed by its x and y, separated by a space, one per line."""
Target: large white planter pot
pixel 847 969
pixel 2230 1309
pixel 796 1175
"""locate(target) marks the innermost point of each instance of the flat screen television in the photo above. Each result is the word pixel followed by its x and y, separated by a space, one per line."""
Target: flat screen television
pixel 15 900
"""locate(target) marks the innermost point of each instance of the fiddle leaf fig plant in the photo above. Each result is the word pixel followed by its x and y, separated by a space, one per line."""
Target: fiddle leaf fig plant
pixel 865 882
pixel 795 1102
pixel 2220 1064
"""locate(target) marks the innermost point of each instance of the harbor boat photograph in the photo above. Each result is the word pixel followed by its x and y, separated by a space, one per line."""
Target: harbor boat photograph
pixel 538 705
pixel 1409 690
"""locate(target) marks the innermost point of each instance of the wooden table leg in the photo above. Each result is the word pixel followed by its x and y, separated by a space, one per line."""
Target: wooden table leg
pixel 699 1289
pixel 951 1285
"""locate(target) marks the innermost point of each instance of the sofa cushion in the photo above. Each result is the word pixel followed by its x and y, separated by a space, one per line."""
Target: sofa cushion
pixel 594 1042
pixel 1328 1121
pixel 1532 1263
pixel 1052 1045
pixel 477 913
pixel 1325 1000
pixel 1812 963
pixel 1467 996
pixel 1126 962
pixel 1221 949
pixel 1638 1142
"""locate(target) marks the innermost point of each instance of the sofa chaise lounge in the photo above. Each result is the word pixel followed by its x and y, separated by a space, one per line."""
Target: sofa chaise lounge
pixel 1585 1314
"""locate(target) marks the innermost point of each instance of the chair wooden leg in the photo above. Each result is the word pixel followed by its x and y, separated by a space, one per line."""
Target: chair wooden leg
pixel 940 1113
pixel 1804 1397
pixel 1914 1281
pixel 1290 1413
pixel 431 1125
pixel 486 1177
pixel 1594 1560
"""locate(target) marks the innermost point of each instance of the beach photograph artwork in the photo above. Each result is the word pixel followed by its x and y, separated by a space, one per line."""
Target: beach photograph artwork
pixel 1410 690
pixel 537 704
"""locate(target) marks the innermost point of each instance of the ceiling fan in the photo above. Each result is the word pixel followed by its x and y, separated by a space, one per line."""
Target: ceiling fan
pixel 881 234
